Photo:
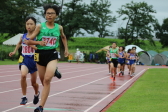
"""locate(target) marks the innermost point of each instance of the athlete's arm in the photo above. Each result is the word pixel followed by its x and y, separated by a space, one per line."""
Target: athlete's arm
pixel 16 48
pixel 35 33
pixel 117 54
pixel 64 40
pixel 127 56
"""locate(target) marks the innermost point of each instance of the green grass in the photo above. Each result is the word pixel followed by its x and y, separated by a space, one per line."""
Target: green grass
pixel 8 62
pixel 148 94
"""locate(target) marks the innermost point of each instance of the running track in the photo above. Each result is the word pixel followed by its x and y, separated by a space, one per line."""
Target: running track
pixel 83 88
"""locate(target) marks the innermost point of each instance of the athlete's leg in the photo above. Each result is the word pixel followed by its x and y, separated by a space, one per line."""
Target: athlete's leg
pixel 34 83
pixel 50 69
pixel 112 69
pixel 41 71
pixel 24 72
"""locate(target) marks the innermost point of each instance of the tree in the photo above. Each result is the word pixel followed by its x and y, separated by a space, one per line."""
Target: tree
pixel 101 17
pixel 13 14
pixel 162 32
pixel 139 24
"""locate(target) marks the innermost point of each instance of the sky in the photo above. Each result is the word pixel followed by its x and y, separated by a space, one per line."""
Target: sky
pixel 161 7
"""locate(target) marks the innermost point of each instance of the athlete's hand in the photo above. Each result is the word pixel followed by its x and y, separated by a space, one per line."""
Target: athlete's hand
pixel 11 54
pixel 42 43
pixel 66 53
pixel 26 41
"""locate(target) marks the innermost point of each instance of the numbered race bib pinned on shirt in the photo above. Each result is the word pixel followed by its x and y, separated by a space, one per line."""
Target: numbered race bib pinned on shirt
pixel 50 40
pixel 132 57
pixel 27 50
pixel 113 55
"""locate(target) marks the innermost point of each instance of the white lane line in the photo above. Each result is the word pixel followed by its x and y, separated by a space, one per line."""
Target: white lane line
pixel 9 75
pixel 113 91
pixel 63 73
pixel 8 71
pixel 11 81
pixel 59 93
pixel 69 68
pixel 56 81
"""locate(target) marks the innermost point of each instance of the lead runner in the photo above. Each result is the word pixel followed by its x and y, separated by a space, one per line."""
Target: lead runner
pixel 48 35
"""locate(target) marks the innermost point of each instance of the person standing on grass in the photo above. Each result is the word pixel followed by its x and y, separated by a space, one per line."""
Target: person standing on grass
pixel 77 55
pixel 48 35
pixel 121 60
pixel 114 60
pixel 27 63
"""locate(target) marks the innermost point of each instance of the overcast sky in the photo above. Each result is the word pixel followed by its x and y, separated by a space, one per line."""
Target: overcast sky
pixel 161 7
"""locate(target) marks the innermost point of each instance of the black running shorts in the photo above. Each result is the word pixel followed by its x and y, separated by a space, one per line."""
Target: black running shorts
pixel 43 57
pixel 115 62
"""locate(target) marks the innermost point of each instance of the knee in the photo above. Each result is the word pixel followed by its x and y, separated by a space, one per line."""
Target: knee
pixel 46 81
pixel 23 77
pixel 33 84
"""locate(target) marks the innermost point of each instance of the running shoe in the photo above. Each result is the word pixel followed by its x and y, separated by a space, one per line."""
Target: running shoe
pixel 111 77
pixel 122 73
pixel 36 98
pixel 24 101
pixel 39 109
pixel 57 74
pixel 114 79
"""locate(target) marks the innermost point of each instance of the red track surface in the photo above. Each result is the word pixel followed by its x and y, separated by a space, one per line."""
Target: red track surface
pixel 83 88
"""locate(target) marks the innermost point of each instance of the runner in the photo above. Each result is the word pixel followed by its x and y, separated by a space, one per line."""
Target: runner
pixel 48 34
pixel 27 63
pixel 131 58
pixel 127 60
pixel 114 60
pixel 121 60
pixel 108 59
pixel 136 58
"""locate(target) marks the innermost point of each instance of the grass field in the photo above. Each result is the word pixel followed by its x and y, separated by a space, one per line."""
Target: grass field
pixel 148 94
pixel 8 62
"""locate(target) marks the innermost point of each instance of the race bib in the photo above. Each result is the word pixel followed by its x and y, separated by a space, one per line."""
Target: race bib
pixel 20 59
pixel 113 55
pixel 132 57
pixel 36 57
pixel 27 50
pixel 50 40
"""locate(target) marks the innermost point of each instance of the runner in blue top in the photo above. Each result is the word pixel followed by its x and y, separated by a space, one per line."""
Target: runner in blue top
pixel 132 57
pixel 27 63
pixel 136 58
pixel 127 60
pixel 121 60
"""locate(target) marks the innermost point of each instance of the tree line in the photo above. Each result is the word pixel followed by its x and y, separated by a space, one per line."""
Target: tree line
pixel 96 16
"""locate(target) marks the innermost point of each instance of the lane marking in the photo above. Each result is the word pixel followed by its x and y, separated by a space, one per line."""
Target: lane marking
pixel 59 93
pixel 114 91
pixel 55 109
pixel 63 73
pixel 56 81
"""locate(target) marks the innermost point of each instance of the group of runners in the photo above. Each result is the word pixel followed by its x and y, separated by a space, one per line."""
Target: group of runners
pixel 39 53
pixel 118 58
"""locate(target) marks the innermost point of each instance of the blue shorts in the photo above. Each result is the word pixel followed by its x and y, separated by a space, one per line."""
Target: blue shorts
pixel 131 62
pixel 29 63
pixel 121 61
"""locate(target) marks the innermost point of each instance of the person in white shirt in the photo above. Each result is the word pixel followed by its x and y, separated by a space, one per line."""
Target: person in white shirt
pixel 77 55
